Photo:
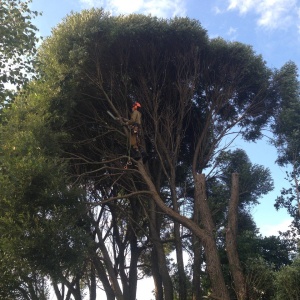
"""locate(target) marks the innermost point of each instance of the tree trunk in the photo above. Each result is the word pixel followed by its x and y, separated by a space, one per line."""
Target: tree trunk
pixel 231 242
pixel 119 258
pixel 158 286
pixel 182 293
pixel 93 285
pixel 196 284
pixel 58 295
pixel 133 232
pixel 213 263
pixel 73 288
pixel 197 250
pixel 206 235
pixel 110 270
pixel 110 294
pixel 161 257
pixel 133 274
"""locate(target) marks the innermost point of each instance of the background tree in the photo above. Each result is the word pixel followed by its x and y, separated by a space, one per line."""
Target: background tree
pixel 286 281
pixel 17 45
pixel 37 238
pixel 286 130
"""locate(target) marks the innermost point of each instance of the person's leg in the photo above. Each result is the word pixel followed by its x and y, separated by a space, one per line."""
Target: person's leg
pixel 135 153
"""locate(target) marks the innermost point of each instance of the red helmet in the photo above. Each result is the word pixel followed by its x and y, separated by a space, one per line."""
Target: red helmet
pixel 135 105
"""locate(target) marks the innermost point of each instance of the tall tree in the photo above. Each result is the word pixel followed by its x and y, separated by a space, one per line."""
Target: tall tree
pixel 17 45
pixel 193 91
pixel 286 131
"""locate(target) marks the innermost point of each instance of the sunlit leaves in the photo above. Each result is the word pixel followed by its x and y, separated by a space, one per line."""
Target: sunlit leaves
pixel 17 44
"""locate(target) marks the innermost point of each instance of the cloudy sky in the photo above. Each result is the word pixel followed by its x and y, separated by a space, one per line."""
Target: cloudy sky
pixel 272 27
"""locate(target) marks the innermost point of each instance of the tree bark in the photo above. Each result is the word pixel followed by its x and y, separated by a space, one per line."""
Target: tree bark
pixel 196 283
pixel 206 235
pixel 133 274
pixel 213 263
pixel 110 270
pixel 158 286
pixel 58 295
pixel 133 232
pixel 231 240
pixel 93 285
pixel 182 293
pixel 161 258
pixel 197 250
pixel 110 294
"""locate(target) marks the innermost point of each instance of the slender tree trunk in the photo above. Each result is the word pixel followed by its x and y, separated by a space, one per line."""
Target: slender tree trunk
pixel 133 231
pixel 133 274
pixel 58 295
pixel 93 285
pixel 231 242
pixel 161 257
pixel 213 263
pixel 196 284
pixel 197 250
pixel 158 286
pixel 179 256
pixel 110 294
pixel 72 289
pixel 77 294
pixel 178 244
pixel 110 270
pixel 120 258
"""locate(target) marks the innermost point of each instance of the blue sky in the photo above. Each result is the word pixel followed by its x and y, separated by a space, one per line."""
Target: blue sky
pixel 271 27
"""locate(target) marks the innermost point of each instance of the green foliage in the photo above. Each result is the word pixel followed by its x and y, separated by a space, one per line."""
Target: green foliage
pixel 39 209
pixel 276 251
pixel 17 45
pixel 287 282
pixel 254 181
pixel 286 123
pixel 260 279
pixel 286 130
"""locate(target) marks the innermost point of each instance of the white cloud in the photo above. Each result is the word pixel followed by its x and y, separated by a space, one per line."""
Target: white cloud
pixel 92 3
pixel 159 8
pixel 165 8
pixel 124 6
pixel 243 5
pixel 232 32
pixel 217 10
pixel 272 14
pixel 271 229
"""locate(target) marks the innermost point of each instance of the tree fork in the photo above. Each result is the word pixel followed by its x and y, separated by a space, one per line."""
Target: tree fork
pixel 213 260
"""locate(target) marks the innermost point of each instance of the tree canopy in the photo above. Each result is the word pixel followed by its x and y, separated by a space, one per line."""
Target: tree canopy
pixel 68 195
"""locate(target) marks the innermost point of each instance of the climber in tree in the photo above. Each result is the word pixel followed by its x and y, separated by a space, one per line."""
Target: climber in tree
pixel 134 124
